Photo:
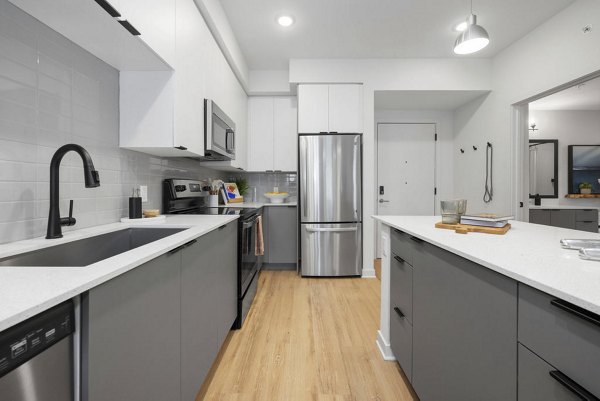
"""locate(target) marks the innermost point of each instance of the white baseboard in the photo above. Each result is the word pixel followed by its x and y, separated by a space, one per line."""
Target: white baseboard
pixel 368 273
pixel 384 348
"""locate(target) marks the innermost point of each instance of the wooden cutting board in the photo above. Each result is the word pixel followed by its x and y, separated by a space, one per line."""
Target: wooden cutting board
pixel 467 228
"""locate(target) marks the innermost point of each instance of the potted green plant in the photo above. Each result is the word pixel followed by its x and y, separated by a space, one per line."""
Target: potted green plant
pixel 585 188
pixel 242 185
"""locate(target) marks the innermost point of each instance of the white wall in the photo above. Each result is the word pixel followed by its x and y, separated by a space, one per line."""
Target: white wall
pixel 444 168
pixel 554 53
pixel 570 128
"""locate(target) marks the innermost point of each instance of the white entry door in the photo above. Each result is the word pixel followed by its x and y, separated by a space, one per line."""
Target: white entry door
pixel 406 169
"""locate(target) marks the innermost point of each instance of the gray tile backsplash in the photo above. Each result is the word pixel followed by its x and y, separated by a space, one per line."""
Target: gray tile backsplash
pixel 264 182
pixel 52 92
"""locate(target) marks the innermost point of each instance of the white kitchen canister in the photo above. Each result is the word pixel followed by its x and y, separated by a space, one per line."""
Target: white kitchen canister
pixel 213 200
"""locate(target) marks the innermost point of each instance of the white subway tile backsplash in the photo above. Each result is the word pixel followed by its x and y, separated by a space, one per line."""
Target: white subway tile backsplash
pixel 69 96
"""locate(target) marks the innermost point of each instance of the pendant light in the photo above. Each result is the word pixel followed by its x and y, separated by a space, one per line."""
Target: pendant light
pixel 473 38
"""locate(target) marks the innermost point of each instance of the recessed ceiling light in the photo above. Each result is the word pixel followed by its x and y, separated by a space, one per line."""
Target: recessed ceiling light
pixel 461 27
pixel 285 20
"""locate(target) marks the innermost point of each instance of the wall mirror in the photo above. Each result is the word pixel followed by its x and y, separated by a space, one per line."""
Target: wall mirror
pixel 543 168
pixel 584 168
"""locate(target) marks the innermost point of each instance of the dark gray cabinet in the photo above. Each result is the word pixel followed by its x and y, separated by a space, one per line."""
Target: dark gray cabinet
pixel 130 335
pixel 464 329
pixel 535 381
pixel 154 332
pixel 208 303
pixel 564 335
pixel 281 236
pixel 578 219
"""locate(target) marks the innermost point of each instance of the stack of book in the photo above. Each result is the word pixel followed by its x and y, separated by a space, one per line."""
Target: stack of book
pixel 485 220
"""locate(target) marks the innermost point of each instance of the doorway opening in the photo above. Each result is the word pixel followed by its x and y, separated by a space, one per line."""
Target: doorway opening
pixel 557 155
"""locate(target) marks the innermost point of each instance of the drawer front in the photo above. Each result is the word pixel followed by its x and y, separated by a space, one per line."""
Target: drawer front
pixel 535 382
pixel 538 216
pixel 587 215
pixel 564 340
pixel 591 227
pixel 401 285
pixel 401 341
pixel 562 218
pixel 402 244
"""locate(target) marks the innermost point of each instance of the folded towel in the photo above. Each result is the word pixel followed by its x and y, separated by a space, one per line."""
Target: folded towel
pixel 259 243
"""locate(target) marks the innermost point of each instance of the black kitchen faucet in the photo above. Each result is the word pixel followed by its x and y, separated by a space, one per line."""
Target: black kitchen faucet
pixel 92 180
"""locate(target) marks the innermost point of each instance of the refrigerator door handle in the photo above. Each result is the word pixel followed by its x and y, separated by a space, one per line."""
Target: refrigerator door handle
pixel 303 155
pixel 355 177
pixel 331 230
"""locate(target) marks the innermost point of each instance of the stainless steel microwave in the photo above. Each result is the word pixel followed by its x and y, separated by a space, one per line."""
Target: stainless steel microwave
pixel 219 133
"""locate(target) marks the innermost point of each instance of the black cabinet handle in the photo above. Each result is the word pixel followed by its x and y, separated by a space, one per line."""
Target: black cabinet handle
pixel 127 25
pixel 587 221
pixel 222 227
pixel 577 311
pixel 175 250
pixel 398 311
pixel 417 240
pixel 181 147
pixel 399 259
pixel 192 242
pixel 179 248
pixel 108 8
pixel 573 387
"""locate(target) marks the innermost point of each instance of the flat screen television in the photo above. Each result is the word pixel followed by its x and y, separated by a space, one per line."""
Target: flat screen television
pixel 584 166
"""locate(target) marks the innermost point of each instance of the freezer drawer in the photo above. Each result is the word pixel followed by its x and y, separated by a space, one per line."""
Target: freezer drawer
pixel 331 249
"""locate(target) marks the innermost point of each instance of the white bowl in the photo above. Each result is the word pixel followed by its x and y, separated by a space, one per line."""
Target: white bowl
pixel 277 198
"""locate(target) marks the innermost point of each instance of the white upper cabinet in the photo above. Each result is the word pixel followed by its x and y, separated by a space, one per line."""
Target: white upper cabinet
pixel 155 20
pixel 162 113
pixel 272 134
pixel 313 109
pixel 345 108
pixel 285 133
pixel 260 129
pixel 88 25
pixel 330 108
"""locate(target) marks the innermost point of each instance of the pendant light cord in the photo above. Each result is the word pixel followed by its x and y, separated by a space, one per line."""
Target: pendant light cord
pixel 489 168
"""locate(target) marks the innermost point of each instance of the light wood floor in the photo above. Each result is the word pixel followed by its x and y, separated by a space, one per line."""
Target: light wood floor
pixel 307 339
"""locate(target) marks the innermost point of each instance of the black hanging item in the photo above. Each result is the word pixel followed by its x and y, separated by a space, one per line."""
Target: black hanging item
pixel 489 183
pixel 474 147
pixel 462 150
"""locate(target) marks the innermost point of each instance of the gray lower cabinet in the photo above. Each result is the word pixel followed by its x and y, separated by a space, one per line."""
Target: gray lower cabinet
pixel 578 219
pixel 564 335
pixel 130 335
pixel 464 329
pixel 281 235
pixel 208 304
pixel 536 382
pixel 154 332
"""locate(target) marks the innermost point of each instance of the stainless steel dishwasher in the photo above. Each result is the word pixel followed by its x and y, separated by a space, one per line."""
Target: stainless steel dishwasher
pixel 36 357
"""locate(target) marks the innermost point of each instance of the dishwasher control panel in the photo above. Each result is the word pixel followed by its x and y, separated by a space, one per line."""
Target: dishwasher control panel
pixel 27 339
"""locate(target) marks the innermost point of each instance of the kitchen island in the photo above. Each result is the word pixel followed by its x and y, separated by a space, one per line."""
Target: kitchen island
pixel 466 314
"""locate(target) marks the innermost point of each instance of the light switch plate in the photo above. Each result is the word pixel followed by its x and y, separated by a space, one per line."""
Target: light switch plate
pixel 144 193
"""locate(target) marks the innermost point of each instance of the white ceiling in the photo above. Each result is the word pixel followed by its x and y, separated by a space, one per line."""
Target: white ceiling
pixel 424 100
pixel 580 97
pixel 374 28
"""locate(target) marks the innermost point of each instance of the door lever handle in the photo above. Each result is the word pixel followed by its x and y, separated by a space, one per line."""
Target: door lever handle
pixel 383 201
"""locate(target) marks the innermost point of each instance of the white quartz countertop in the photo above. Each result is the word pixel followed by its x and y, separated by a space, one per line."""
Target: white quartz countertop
pixel 26 291
pixel 528 253
pixel 258 204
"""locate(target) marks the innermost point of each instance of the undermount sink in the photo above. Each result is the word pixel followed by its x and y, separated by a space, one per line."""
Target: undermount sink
pixel 87 251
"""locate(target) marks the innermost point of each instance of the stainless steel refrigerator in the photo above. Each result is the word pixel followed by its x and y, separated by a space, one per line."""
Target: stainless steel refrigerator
pixel 330 200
